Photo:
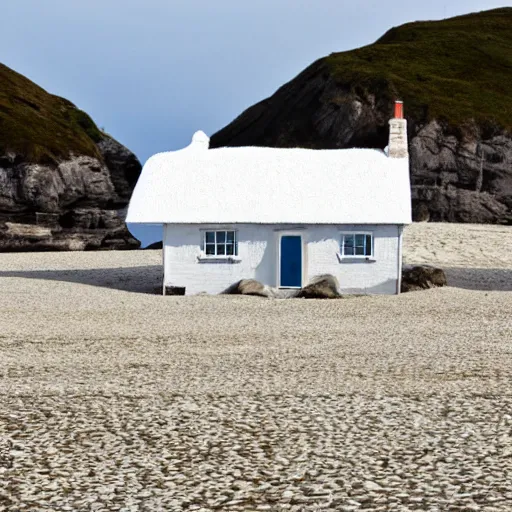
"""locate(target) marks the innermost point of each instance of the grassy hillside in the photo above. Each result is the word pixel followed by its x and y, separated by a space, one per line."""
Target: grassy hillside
pixel 40 126
pixel 456 69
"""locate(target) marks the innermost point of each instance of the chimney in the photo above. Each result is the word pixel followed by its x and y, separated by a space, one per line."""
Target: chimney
pixel 397 147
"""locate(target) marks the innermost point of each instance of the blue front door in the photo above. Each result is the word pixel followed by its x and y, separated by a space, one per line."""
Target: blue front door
pixel 291 261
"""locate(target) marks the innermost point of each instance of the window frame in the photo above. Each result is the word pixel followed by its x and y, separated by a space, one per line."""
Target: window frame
pixel 204 233
pixel 344 256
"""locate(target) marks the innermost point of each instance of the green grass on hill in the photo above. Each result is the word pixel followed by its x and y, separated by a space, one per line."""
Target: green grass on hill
pixel 40 126
pixel 455 70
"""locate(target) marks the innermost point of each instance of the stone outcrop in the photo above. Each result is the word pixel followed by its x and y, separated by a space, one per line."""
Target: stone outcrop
pixel 65 187
pixel 461 178
pixel 422 277
pixel 460 138
pixel 77 204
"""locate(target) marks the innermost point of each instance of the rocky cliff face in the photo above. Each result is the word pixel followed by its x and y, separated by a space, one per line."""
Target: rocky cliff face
pixel 461 178
pixel 453 77
pixel 64 185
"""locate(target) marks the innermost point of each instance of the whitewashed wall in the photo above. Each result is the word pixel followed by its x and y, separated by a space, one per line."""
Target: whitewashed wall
pixel 258 254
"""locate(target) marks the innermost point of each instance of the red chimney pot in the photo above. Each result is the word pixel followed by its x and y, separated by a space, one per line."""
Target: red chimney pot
pixel 399 109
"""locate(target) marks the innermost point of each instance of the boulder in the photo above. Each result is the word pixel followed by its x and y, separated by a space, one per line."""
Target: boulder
pixel 422 277
pixel 249 287
pixel 321 287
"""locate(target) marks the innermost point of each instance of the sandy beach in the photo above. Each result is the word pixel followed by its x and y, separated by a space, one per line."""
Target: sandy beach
pixel 114 398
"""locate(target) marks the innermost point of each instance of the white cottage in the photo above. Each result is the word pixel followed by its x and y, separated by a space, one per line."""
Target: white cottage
pixel 280 216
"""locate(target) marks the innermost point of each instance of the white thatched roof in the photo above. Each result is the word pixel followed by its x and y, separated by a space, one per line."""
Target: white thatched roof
pixel 271 186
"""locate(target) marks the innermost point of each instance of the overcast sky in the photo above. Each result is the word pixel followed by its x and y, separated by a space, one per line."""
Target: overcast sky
pixel 151 72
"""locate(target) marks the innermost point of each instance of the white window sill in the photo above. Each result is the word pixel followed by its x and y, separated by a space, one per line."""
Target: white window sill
pixel 355 259
pixel 218 259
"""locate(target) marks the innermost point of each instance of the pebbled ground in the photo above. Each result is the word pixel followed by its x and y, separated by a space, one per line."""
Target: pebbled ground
pixel 112 400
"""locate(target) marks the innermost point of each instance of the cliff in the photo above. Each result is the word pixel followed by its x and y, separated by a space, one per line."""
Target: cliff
pixel 64 184
pixel 454 76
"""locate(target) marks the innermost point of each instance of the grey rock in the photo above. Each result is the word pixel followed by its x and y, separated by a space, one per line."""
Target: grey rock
pixel 123 165
pixel 321 287
pixel 422 277
pixel 249 287
pixel 459 178
pixel 76 204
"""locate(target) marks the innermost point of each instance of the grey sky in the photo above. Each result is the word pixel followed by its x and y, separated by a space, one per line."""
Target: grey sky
pixel 151 72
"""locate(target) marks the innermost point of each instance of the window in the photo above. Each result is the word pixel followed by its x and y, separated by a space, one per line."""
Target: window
pixel 356 245
pixel 220 243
